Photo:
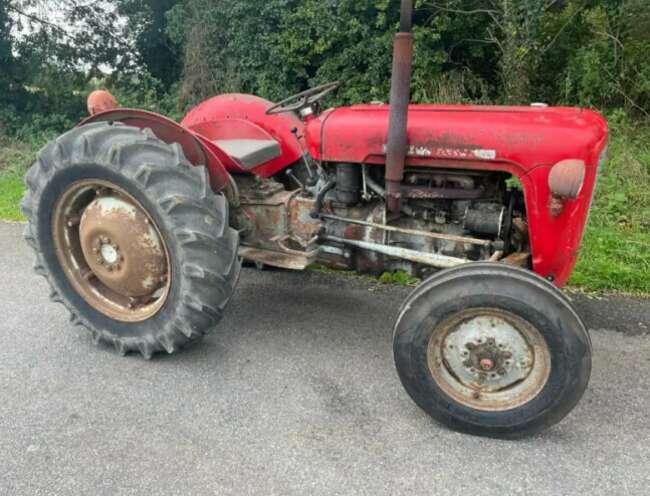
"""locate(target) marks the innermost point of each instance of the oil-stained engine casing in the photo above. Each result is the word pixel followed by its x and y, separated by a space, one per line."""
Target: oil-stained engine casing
pixel 485 218
pixel 348 183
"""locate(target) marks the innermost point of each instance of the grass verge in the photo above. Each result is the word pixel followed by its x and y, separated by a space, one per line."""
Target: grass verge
pixel 615 254
pixel 15 159
pixel 11 191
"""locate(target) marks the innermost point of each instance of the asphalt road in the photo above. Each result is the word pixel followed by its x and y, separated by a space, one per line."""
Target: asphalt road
pixel 296 394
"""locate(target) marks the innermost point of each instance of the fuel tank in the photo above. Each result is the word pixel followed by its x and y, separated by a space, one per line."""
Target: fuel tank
pixel 524 137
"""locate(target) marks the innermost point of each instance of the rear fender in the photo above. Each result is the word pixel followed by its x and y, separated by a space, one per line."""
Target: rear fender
pixel 195 147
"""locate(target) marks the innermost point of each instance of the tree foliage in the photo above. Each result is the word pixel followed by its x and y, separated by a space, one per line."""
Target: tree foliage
pixel 170 54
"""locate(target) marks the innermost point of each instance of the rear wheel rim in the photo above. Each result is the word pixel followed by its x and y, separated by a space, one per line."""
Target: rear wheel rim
pixel 489 359
pixel 111 250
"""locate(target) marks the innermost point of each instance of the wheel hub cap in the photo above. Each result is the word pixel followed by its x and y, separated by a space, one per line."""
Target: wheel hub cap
pixel 109 253
pixel 121 247
pixel 489 359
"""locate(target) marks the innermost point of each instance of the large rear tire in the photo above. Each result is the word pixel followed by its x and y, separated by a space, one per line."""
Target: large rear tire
pixel 492 350
pixel 187 263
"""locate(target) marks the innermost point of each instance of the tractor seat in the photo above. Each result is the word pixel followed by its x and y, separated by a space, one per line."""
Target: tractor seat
pixel 250 153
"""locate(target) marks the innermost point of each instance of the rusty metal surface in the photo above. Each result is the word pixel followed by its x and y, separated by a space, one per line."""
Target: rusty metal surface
pixel 400 94
pixel 518 260
pixel 488 359
pixel 121 246
pixel 430 259
pixel 301 223
pixel 414 232
pixel 111 250
pixel 275 258
pixel 419 192
pixel 280 231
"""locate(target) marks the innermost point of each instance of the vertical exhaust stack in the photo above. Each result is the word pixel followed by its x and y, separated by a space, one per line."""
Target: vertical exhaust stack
pixel 400 95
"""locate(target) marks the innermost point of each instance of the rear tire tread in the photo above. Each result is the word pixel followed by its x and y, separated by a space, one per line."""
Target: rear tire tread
pixel 201 230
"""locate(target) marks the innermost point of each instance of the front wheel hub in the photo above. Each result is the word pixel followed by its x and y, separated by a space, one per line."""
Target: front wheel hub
pixel 489 359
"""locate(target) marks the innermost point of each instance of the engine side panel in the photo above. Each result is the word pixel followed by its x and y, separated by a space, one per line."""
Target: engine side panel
pixel 523 141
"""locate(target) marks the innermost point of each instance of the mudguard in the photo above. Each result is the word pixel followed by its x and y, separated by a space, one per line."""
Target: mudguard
pixel 196 148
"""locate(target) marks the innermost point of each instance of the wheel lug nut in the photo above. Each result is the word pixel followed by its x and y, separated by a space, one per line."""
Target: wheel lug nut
pixel 73 221
pixel 501 371
pixel 470 346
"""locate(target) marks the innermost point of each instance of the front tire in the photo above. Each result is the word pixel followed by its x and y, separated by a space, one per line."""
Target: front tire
pixel 492 350
pixel 163 298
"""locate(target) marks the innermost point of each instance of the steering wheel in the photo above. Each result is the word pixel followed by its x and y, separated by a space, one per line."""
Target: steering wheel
pixel 305 99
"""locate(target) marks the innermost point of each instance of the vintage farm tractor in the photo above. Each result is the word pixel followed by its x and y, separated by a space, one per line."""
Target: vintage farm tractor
pixel 140 225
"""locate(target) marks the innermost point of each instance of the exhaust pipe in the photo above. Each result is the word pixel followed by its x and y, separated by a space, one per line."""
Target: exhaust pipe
pixel 400 95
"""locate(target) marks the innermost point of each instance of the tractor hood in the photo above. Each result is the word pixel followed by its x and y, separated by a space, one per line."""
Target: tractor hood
pixel 524 137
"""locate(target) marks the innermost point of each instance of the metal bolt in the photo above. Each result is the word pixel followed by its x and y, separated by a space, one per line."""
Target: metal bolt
pixel 470 346
pixel 73 221
pixel 506 354
pixel 501 371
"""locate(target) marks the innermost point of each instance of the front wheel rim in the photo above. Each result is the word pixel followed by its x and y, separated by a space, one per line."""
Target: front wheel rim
pixel 111 250
pixel 488 359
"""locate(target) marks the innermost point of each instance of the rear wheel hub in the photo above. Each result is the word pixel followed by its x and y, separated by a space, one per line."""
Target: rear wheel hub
pixel 111 250
pixel 121 246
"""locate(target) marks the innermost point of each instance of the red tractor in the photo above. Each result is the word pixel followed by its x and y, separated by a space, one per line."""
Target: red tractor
pixel 140 225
